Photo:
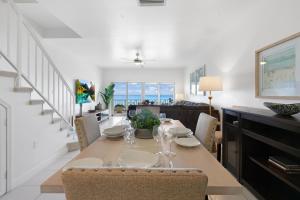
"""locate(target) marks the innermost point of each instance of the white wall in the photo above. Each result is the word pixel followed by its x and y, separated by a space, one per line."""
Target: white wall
pixel 72 69
pixel 33 141
pixel 145 75
pixel 233 56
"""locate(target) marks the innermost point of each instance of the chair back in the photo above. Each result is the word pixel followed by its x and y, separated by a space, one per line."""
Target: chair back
pixel 130 184
pixel 205 131
pixel 87 129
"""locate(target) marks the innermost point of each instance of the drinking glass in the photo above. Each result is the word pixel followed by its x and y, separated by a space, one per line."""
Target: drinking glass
pixel 129 136
pixel 162 116
pixel 157 137
pixel 168 140
pixel 131 113
pixel 125 122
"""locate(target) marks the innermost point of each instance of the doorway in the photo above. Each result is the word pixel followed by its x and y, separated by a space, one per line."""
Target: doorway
pixel 3 150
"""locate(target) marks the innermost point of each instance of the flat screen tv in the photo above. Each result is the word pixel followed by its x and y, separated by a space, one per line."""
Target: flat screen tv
pixel 85 91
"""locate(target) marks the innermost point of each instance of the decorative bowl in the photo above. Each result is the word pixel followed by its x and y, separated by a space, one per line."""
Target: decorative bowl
pixel 283 109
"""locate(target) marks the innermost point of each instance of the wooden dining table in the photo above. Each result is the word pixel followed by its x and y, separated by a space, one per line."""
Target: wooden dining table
pixel 220 181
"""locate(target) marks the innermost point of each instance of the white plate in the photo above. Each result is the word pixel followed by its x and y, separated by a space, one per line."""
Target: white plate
pixel 166 120
pixel 187 142
pixel 88 163
pixel 114 131
pixel 138 159
pixel 115 136
pixel 179 131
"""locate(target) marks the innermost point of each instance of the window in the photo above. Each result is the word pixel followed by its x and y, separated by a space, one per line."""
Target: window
pixel 167 91
pixel 133 93
pixel 151 92
pixel 120 95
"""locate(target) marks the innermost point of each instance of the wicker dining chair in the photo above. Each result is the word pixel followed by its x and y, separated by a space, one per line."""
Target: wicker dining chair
pixel 139 184
pixel 87 129
pixel 205 131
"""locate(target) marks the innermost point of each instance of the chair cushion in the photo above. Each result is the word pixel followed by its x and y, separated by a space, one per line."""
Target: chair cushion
pixel 87 129
pixel 205 131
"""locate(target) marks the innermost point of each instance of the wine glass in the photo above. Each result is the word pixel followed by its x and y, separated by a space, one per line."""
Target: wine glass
pixel 168 139
pixel 129 136
pixel 157 137
pixel 162 116
pixel 131 113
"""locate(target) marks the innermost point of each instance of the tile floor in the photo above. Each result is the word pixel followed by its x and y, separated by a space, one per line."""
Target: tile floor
pixel 31 191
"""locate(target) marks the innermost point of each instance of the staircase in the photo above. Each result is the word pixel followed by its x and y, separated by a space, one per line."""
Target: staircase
pixel 31 67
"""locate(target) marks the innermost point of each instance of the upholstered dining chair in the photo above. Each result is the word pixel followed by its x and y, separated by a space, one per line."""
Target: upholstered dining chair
pixel 139 184
pixel 205 131
pixel 87 129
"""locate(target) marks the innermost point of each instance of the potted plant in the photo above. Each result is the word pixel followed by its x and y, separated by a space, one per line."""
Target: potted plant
pixel 119 108
pixel 108 94
pixel 144 122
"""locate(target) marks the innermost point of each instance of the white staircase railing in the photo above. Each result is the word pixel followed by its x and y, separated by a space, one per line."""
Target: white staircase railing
pixel 20 46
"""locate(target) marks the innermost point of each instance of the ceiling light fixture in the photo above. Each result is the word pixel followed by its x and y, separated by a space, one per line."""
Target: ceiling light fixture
pixel 152 2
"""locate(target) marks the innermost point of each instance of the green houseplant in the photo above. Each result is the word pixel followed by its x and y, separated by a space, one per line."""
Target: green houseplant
pixel 108 94
pixel 144 122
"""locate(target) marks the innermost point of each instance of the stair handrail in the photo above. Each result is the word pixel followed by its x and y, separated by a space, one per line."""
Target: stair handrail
pixel 64 109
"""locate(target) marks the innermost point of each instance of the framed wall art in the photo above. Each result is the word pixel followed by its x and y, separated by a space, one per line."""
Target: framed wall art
pixel 277 73
pixel 194 81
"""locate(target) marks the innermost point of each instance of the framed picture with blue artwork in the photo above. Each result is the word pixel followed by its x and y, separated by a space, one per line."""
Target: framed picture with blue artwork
pixel 194 81
pixel 278 69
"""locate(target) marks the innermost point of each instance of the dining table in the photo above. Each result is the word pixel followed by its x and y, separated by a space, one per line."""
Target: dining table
pixel 220 181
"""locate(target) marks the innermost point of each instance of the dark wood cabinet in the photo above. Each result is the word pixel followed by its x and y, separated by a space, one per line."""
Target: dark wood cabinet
pixel 250 137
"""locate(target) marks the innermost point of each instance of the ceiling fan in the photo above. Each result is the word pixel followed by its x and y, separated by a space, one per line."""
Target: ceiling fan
pixel 137 60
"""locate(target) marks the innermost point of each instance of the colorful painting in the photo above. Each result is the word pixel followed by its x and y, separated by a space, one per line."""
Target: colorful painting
pixel 85 91
pixel 194 81
pixel 278 70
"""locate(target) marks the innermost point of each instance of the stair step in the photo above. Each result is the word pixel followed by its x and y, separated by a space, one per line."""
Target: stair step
pixel 47 111
pixel 56 120
pixel 8 74
pixel 23 89
pixel 36 102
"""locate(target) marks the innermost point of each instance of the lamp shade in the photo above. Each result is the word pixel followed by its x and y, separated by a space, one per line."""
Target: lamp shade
pixel 179 96
pixel 210 83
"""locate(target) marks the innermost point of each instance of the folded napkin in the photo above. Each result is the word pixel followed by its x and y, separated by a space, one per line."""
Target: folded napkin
pixel 179 131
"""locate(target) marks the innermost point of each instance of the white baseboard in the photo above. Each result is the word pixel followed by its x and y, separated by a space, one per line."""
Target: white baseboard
pixel 43 164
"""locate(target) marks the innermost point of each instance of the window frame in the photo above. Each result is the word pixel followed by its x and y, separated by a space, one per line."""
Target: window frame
pixel 143 90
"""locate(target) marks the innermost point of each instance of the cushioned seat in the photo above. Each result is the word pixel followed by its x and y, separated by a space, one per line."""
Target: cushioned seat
pixel 205 131
pixel 134 184
pixel 87 129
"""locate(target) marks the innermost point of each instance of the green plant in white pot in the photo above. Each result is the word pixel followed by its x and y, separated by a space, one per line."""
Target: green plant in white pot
pixel 144 122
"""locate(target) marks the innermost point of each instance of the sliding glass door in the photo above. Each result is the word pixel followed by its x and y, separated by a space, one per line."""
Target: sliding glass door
pixel 151 92
pixel 120 95
pixel 133 93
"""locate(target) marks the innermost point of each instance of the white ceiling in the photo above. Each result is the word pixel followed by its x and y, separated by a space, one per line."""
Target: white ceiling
pixel 174 35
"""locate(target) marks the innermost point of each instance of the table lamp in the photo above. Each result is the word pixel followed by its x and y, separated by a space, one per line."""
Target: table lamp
pixel 210 83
